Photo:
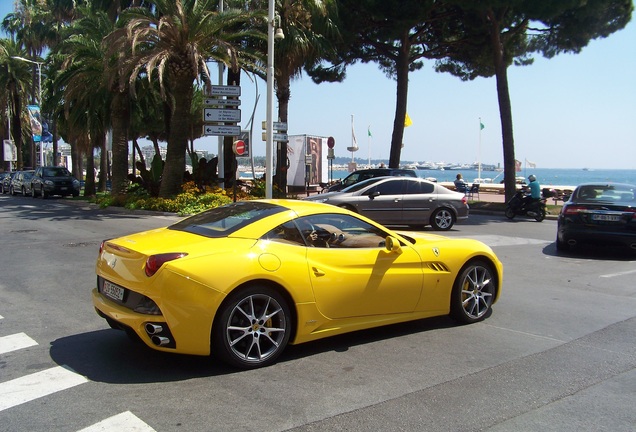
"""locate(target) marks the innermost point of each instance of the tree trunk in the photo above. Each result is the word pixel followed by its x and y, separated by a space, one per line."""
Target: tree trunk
pixel 505 109
pixel 120 118
pixel 402 75
pixel 16 126
pixel 283 93
pixel 174 167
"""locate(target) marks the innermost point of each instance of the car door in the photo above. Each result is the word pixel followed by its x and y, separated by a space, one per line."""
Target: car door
pixel 382 202
pixel 354 275
pixel 419 202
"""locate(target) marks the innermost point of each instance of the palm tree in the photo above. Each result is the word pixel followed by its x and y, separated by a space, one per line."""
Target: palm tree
pixel 15 81
pixel 175 39
pixel 309 28
pixel 84 80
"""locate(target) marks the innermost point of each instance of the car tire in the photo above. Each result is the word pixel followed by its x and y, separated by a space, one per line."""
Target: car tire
pixel 442 219
pixel 33 193
pixel 561 246
pixel 252 327
pixel 11 191
pixel 42 192
pixel 473 292
pixel 510 213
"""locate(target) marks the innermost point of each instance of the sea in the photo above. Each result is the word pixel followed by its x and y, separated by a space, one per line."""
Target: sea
pixel 545 176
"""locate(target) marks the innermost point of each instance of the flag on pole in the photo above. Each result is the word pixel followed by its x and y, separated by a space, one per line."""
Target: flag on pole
pixel 407 120
pixel 369 131
pixel 481 125
pixel 354 141
pixel 517 165
pixel 531 164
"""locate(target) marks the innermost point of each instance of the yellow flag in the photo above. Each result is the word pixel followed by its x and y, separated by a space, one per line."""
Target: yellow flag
pixel 407 120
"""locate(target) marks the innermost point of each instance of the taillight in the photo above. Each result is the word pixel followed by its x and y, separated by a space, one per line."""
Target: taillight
pixel 572 209
pixel 154 262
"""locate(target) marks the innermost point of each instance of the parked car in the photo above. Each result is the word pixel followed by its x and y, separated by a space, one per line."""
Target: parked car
pixel 21 182
pixel 54 180
pixel 598 213
pixel 5 181
pixel 294 279
pixel 401 201
pixel 363 174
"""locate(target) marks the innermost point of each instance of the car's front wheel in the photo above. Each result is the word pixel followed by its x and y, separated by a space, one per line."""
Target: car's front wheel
pixel 252 328
pixel 42 193
pixel 442 219
pixel 473 292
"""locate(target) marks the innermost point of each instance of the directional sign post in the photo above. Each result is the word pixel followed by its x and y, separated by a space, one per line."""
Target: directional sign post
pixel 221 130
pixel 221 115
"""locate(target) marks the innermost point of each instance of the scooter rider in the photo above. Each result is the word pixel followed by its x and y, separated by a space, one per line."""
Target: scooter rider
pixel 535 192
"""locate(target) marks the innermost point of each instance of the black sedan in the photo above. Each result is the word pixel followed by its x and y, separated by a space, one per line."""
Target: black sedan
pixel 401 201
pixel 598 213
pixel 5 181
pixel 54 180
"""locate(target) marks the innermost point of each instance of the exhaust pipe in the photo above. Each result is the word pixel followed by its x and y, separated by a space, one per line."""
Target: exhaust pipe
pixel 160 340
pixel 153 328
pixel 572 242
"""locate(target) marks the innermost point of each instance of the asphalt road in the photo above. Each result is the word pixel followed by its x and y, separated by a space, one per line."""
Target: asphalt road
pixel 557 354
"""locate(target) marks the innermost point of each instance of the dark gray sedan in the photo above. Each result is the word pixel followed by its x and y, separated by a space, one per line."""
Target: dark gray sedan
pixel 401 201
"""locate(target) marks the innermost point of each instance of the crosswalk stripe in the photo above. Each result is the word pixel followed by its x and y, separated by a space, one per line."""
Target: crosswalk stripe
pixel 125 421
pixel 37 385
pixel 15 342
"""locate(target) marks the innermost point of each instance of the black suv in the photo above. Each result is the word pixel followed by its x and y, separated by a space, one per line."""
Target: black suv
pixel 54 180
pixel 363 174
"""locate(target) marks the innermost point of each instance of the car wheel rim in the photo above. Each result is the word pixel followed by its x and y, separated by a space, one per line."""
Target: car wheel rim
pixel 477 292
pixel 256 328
pixel 444 219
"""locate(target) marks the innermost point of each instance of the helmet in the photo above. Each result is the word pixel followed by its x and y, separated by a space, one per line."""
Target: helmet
pixel 532 178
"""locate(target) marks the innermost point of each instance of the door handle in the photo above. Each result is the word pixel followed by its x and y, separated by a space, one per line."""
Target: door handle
pixel 317 272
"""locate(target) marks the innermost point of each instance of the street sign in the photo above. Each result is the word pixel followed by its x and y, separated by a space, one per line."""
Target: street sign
pixel 221 90
pixel 221 130
pixel 221 102
pixel 277 126
pixel 281 137
pixel 221 115
pixel 239 147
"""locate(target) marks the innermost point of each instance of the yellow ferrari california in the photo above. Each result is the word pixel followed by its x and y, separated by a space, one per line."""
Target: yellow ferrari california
pixel 242 281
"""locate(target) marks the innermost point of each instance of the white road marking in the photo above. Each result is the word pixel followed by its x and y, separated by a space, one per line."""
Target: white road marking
pixel 15 342
pixel 498 240
pixel 610 275
pixel 126 421
pixel 37 385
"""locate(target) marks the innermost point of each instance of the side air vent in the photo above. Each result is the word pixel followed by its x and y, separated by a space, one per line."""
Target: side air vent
pixel 437 266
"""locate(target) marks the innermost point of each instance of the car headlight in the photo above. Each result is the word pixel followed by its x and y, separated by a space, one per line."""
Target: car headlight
pixel 48 182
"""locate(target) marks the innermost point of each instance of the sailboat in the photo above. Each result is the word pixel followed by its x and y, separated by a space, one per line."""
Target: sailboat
pixel 354 141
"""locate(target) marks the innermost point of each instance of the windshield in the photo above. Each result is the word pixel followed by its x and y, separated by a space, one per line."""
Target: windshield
pixel 616 193
pixel 223 221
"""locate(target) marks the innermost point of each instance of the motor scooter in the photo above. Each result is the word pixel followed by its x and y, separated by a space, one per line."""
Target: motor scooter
pixel 517 206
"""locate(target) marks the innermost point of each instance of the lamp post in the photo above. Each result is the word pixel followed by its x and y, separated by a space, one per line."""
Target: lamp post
pixel 39 65
pixel 269 119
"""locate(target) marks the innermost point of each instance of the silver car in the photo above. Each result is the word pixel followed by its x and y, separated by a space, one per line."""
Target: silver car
pixel 401 201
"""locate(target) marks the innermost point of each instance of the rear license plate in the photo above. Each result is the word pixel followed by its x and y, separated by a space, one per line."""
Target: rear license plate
pixel 113 291
pixel 606 217
pixel 63 188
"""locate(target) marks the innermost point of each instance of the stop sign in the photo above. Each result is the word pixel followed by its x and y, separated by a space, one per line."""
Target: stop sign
pixel 331 142
pixel 239 147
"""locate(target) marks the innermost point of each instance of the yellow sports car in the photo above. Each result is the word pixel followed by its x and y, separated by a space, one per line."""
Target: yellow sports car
pixel 242 281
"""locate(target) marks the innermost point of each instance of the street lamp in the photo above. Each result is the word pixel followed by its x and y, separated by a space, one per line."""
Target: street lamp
pixel 39 64
pixel 269 142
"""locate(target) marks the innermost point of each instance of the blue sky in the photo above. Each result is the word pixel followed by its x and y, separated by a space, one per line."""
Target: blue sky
pixel 572 111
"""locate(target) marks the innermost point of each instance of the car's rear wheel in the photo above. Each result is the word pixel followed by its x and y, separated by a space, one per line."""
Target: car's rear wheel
pixel 442 219
pixel 252 328
pixel 473 292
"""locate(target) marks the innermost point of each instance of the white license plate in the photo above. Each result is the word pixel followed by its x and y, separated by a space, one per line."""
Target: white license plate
pixel 113 291
pixel 605 217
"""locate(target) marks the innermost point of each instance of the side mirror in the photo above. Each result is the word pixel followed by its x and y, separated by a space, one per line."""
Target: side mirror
pixel 374 194
pixel 392 245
